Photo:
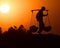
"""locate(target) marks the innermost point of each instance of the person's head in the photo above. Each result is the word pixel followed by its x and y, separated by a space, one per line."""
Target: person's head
pixel 43 8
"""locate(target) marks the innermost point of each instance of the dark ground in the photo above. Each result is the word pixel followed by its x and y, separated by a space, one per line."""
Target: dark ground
pixel 29 40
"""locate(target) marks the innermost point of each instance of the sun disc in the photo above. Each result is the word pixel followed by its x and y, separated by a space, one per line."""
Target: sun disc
pixel 4 8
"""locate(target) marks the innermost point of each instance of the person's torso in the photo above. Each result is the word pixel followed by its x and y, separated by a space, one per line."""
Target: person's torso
pixel 39 15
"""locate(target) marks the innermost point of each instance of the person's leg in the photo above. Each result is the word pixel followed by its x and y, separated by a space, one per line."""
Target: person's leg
pixel 41 27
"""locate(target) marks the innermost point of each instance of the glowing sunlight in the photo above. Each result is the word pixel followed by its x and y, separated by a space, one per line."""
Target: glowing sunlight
pixel 4 8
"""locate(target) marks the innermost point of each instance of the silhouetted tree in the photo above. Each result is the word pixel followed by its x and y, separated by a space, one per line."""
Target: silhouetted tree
pixel 15 27
pixel 21 29
pixel 0 30
pixel 11 29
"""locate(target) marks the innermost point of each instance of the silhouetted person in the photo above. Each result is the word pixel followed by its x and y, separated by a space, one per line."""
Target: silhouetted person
pixel 39 18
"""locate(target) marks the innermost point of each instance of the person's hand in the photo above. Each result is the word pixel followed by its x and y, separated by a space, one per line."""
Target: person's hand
pixel 47 10
pixel 31 10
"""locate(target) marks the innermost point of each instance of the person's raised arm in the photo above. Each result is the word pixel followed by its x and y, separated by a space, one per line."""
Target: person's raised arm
pixel 35 10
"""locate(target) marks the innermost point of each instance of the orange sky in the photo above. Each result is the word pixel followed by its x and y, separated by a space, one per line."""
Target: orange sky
pixel 20 13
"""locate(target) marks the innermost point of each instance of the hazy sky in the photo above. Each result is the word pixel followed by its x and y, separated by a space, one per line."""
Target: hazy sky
pixel 20 13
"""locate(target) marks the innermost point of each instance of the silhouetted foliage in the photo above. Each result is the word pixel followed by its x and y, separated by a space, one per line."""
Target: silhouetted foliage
pixel 15 27
pixel 0 30
pixel 17 37
pixel 21 29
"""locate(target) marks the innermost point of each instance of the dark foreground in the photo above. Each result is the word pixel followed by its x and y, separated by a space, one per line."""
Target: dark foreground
pixel 29 41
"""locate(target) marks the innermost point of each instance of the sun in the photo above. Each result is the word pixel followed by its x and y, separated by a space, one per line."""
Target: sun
pixel 4 8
